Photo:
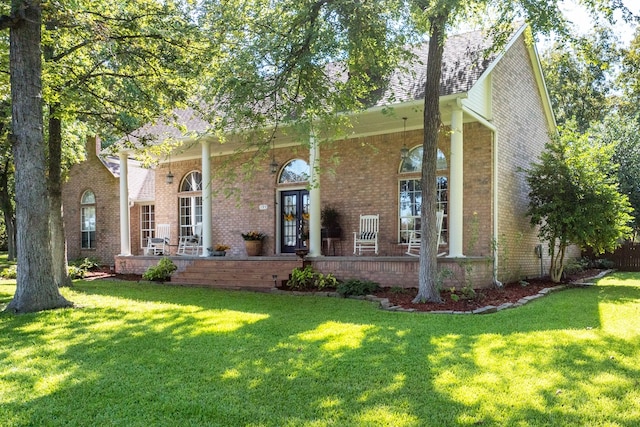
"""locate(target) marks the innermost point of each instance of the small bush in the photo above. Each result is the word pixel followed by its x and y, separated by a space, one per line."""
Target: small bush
pixel 575 266
pixel 603 264
pixel 355 287
pixel 76 272
pixel 307 279
pixel 161 272
pixel 86 264
pixel 10 272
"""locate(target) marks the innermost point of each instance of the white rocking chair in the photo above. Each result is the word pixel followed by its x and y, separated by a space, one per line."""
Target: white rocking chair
pixel 413 248
pixel 191 244
pixel 157 245
pixel 367 238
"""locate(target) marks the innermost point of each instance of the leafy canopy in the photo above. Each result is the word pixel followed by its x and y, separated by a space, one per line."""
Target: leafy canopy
pixel 574 196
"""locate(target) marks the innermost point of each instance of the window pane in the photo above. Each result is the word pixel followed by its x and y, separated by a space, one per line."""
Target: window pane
pixel 192 182
pixel 296 170
pixel 147 223
pixel 88 198
pixel 410 204
pixel 88 227
pixel 413 163
pixel 190 214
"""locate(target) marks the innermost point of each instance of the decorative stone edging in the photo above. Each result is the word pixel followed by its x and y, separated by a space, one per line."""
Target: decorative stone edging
pixel 386 305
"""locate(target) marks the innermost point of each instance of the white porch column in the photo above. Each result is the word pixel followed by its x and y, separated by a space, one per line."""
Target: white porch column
pixel 315 238
pixel 125 235
pixel 456 187
pixel 206 197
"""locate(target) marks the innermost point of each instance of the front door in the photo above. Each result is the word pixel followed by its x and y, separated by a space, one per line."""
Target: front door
pixel 294 221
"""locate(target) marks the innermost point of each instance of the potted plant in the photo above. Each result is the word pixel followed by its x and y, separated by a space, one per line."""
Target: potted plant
pixel 219 250
pixel 330 226
pixel 253 242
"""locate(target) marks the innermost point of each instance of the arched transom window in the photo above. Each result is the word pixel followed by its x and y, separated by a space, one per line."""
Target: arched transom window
pixel 297 170
pixel 190 201
pixel 88 220
pixel 410 193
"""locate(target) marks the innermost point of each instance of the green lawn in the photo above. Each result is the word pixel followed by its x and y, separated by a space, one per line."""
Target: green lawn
pixel 146 354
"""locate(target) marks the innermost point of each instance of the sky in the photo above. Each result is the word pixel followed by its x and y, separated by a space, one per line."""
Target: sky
pixel 582 20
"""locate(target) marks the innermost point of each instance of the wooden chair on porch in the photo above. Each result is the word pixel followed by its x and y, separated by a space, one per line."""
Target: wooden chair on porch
pixel 158 244
pixel 366 239
pixel 191 244
pixel 413 248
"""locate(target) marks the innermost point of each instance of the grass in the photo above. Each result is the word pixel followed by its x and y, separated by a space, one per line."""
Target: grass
pixel 141 354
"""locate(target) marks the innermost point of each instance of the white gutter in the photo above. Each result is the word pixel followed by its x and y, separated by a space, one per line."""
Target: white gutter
pixel 495 177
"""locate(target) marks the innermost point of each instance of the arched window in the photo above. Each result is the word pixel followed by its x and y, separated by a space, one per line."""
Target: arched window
pixel 190 201
pixel 297 170
pixel 410 193
pixel 88 220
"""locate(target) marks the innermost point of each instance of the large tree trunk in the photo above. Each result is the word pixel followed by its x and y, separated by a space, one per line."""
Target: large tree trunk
pixel 427 278
pixel 56 224
pixel 36 290
pixel 6 204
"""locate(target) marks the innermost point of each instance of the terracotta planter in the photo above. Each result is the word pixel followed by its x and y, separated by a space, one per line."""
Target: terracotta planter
pixel 253 247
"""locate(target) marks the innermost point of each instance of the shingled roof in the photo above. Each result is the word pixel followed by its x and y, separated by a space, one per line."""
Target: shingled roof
pixel 465 58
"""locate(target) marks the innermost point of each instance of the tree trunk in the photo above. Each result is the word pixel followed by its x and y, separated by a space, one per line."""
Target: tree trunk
pixel 36 290
pixel 56 224
pixel 8 213
pixel 427 278
pixel 557 261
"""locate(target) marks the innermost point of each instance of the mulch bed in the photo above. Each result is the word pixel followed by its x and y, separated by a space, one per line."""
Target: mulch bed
pixel 509 293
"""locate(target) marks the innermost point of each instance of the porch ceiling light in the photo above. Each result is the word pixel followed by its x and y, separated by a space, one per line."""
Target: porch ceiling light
pixel 169 177
pixel 404 151
pixel 273 166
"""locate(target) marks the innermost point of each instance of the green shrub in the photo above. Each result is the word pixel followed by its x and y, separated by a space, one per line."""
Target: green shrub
pixel 161 272
pixel 307 279
pixel 603 264
pixel 10 272
pixel 357 287
pixel 86 264
pixel 76 272
pixel 576 266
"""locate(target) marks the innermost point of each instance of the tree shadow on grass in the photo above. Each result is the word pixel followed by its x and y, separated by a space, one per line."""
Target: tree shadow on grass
pixel 202 357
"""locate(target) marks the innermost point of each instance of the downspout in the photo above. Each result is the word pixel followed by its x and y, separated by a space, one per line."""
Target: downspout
pixel 495 176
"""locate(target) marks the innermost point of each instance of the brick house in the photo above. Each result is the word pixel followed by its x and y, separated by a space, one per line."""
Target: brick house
pixel 496 119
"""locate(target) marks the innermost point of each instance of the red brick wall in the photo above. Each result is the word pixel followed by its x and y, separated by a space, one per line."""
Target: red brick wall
pixel 92 175
pixel 364 181
pixel 522 133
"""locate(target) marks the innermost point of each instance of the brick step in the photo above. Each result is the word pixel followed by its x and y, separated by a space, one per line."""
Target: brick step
pixel 249 278
pixel 226 284
pixel 235 274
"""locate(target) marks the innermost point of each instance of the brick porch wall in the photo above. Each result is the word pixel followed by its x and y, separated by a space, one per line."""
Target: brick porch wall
pixel 387 271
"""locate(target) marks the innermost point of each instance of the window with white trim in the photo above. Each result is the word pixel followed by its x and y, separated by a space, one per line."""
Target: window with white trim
pixel 88 220
pixel 410 193
pixel 147 223
pixel 190 202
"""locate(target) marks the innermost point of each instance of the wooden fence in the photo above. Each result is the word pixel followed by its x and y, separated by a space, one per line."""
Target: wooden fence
pixel 625 258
